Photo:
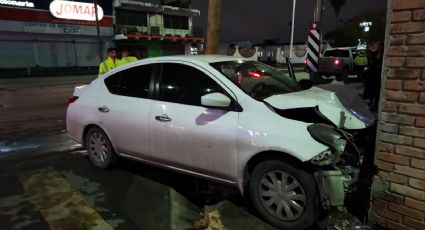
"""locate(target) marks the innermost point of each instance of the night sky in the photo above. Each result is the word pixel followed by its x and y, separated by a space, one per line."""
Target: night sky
pixel 257 20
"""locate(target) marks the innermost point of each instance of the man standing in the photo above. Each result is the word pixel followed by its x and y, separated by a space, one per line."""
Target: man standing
pixel 360 62
pixel 126 58
pixel 110 63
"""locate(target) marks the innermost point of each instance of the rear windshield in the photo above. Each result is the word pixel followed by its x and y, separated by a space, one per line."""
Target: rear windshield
pixel 337 53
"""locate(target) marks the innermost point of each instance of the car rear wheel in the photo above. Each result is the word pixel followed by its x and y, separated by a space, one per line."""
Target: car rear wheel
pixel 283 195
pixel 99 148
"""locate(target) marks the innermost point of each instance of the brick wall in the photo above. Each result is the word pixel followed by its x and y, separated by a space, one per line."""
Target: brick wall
pixel 398 191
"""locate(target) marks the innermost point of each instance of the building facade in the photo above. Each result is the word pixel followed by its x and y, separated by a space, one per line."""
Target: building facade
pixel 34 39
pixel 150 30
pixel 46 37
pixel 398 191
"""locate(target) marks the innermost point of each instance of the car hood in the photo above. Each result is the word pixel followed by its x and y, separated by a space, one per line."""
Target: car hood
pixel 338 103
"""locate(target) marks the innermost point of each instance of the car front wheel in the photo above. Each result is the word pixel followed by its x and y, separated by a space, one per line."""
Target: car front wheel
pixel 99 148
pixel 283 195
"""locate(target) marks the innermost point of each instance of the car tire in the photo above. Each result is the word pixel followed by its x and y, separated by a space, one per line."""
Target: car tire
pixel 99 148
pixel 295 207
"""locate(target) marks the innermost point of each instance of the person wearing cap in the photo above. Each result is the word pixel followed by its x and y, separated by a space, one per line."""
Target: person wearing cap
pixel 126 58
pixel 109 63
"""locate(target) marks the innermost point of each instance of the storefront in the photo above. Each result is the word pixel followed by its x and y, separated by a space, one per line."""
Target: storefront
pixel 45 35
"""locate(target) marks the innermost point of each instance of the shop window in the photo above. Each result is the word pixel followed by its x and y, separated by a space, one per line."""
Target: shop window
pixel 176 22
pixel 133 18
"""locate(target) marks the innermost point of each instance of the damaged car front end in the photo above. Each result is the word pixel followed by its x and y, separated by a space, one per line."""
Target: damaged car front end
pixel 339 120
pixel 337 168
pixel 310 144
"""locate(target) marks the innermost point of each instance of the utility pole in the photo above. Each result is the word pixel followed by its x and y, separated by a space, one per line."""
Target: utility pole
pixel 291 45
pixel 214 11
pixel 318 11
pixel 99 41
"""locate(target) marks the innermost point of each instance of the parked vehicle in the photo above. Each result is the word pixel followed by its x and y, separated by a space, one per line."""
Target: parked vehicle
pixel 227 119
pixel 337 62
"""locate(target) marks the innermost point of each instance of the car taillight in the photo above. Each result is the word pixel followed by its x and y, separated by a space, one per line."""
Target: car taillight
pixel 305 61
pixel 255 74
pixel 336 62
pixel 71 99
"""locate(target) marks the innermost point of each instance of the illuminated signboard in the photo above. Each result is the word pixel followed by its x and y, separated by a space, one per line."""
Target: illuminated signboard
pixel 366 26
pixel 28 4
pixel 75 10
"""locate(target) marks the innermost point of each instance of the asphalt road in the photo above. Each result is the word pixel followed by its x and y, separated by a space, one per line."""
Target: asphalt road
pixel 47 182
pixel 35 106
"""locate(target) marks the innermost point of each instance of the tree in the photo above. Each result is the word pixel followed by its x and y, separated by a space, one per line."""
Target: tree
pixel 350 31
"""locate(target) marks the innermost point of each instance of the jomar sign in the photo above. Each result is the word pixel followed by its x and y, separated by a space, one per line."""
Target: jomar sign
pixel 75 10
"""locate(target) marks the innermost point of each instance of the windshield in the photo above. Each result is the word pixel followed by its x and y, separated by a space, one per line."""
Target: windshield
pixel 258 80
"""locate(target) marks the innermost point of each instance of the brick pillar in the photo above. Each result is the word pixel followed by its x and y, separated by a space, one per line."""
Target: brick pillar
pixel 398 191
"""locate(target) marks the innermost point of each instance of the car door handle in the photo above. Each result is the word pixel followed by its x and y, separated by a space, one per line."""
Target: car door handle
pixel 163 118
pixel 103 109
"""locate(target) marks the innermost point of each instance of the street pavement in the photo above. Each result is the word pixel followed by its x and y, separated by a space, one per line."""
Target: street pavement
pixel 47 182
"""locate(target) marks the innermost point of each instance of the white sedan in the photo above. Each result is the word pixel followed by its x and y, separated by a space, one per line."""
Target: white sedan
pixel 225 119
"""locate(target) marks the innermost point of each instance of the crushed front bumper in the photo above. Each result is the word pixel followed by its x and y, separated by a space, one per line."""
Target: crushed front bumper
pixel 332 186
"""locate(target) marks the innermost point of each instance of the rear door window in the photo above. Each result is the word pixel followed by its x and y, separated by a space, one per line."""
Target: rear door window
pixel 132 82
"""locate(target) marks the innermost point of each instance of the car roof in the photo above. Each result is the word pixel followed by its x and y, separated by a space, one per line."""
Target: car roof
pixel 195 58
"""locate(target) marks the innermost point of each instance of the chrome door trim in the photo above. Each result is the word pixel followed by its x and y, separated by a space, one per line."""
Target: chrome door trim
pixel 179 169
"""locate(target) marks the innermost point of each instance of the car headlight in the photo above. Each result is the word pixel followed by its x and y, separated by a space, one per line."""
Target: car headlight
pixel 339 145
pixel 328 136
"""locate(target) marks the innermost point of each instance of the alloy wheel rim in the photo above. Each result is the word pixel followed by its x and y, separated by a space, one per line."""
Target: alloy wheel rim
pixel 282 195
pixel 98 148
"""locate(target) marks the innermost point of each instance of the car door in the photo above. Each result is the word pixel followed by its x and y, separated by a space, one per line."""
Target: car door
pixel 124 109
pixel 187 135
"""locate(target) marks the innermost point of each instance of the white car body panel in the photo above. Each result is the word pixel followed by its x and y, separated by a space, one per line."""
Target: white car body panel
pixel 197 138
pixel 210 142
pixel 126 121
pixel 82 112
pixel 327 102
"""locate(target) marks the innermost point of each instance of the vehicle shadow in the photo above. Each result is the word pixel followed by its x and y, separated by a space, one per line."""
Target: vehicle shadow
pixel 208 197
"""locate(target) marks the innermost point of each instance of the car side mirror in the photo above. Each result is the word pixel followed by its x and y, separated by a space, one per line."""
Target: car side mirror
pixel 215 100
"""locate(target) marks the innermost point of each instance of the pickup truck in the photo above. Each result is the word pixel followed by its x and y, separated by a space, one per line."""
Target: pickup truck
pixel 338 62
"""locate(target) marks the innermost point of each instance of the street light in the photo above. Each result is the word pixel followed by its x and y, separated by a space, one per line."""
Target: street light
pixel 291 44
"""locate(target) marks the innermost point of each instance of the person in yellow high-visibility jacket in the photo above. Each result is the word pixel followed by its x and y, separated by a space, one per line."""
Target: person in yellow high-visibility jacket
pixel 109 63
pixel 360 62
pixel 125 58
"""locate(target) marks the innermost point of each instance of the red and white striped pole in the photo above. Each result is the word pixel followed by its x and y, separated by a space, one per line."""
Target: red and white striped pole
pixel 314 44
